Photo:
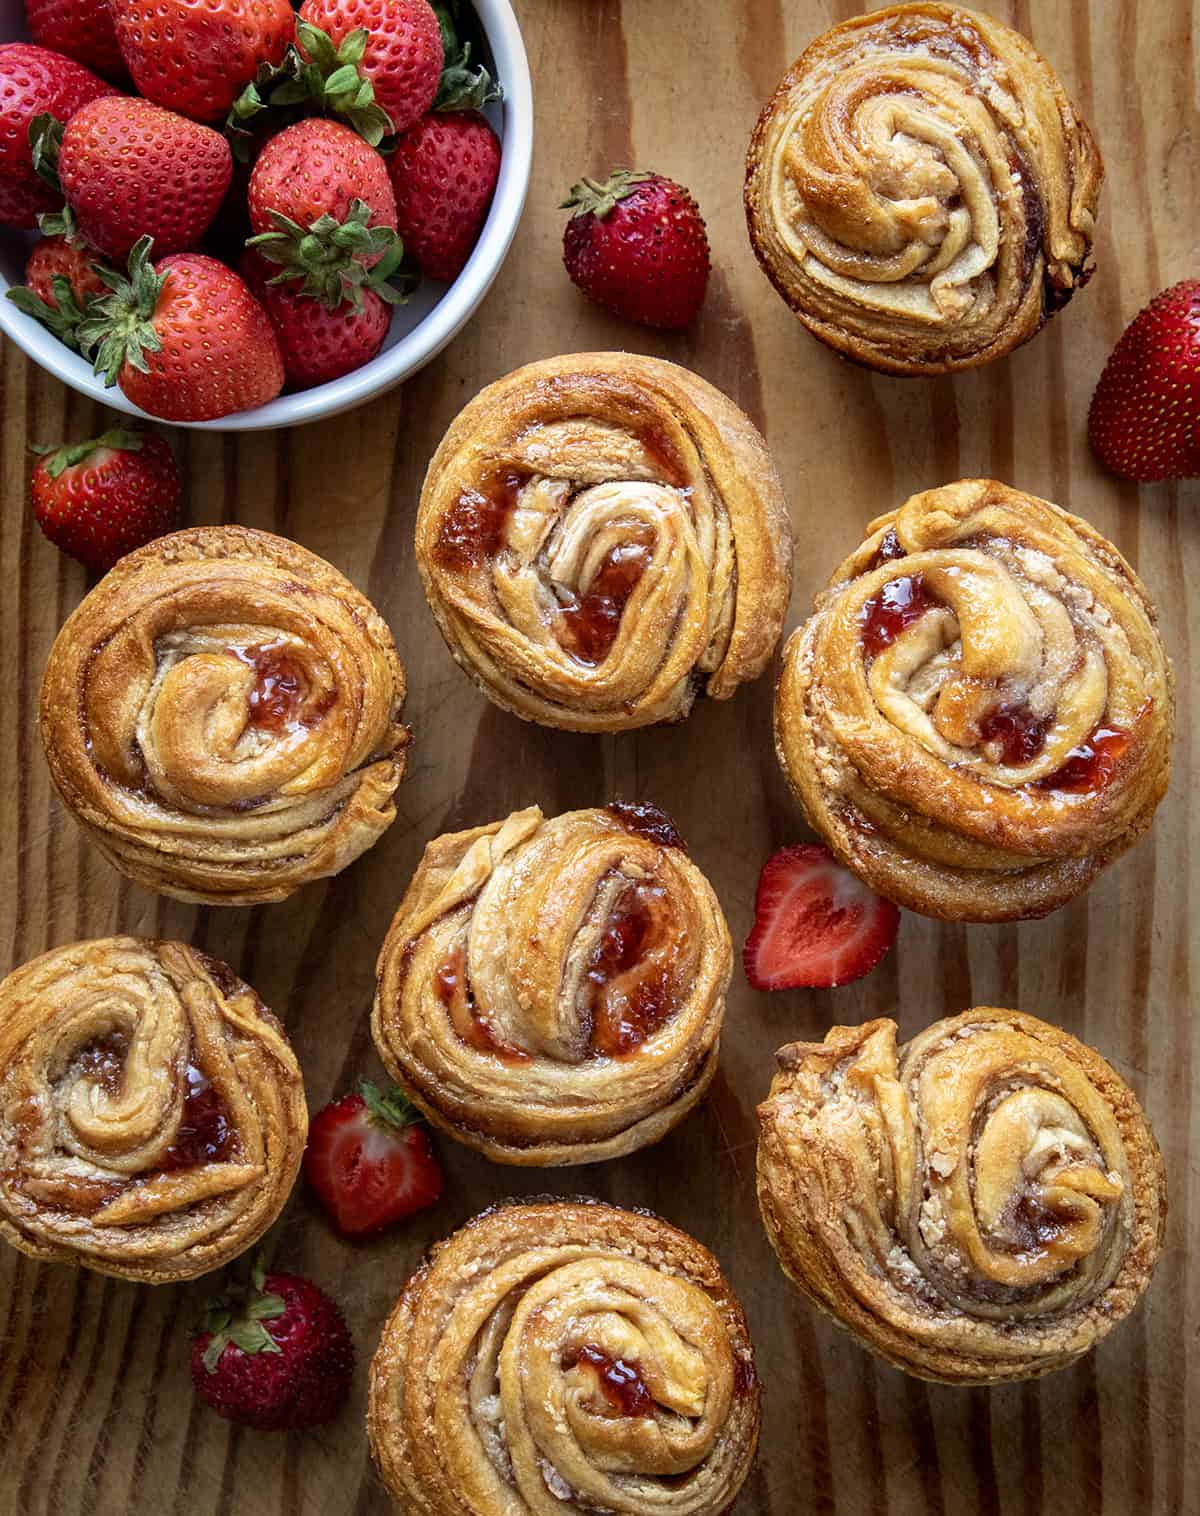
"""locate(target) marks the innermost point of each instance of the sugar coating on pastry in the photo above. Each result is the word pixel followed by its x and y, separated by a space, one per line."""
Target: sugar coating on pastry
pixel 551 990
pixel 982 1204
pixel 152 1115
pixel 978 715
pixel 565 1356
pixel 222 712
pixel 601 538
pixel 921 191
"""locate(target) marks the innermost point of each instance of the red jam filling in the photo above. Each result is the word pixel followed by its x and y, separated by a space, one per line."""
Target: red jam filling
pixel 661 452
pixel 471 1025
pixel 898 604
pixel 620 1383
pixel 1019 734
pixel 205 1133
pixel 103 1061
pixel 628 1007
pixel 647 821
pixel 472 530
pixel 744 1377
pixel 279 698
pixel 889 549
pixel 1091 765
pixel 588 624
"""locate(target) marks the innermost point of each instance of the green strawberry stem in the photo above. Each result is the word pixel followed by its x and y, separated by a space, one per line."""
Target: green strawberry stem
pixel 237 1314
pixel 64 319
pixel 590 196
pixel 333 261
pixel 45 139
pixel 118 326
pixel 393 1109
pixel 62 456
pixel 461 87
pixel 327 82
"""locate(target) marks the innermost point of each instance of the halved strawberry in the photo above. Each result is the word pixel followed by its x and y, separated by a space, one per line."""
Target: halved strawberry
pixel 815 924
pixel 370 1161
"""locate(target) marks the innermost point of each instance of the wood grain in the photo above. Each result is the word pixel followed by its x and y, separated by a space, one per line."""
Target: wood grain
pixel 96 1412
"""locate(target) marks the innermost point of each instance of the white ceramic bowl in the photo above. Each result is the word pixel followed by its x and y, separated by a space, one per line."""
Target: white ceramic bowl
pixel 419 329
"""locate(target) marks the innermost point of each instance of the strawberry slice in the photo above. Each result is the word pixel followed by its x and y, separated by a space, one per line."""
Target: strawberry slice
pixel 370 1161
pixel 815 924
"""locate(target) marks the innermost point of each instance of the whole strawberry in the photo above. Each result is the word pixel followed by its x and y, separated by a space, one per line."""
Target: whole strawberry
pixel 274 1354
pixel 100 499
pixel 444 173
pixel 403 54
pixel 83 29
pixel 185 339
pixel 322 208
pixel 318 342
pixel 62 279
pixel 198 58
pixel 35 82
pixel 131 169
pixel 73 261
pixel 370 1161
pixel 1144 421
pixel 636 245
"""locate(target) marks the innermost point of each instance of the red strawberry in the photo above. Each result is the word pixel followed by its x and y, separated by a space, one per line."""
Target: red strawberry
pixel 637 246
pixel 83 29
pixel 322 208
pixel 197 59
pixel 62 282
pixel 1144 422
pixel 370 1162
pixel 319 344
pixel 403 53
pixel 131 169
pixel 185 339
pixel 73 261
pixel 99 500
pixel 444 173
pixel 35 82
pixel 274 1354
pixel 815 924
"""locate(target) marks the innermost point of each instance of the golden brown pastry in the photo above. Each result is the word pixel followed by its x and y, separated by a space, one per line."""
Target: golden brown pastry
pixel 920 190
pixel 152 1116
pixel 222 712
pixel 601 538
pixel 552 992
pixel 565 1356
pixel 978 715
pixel 984 1203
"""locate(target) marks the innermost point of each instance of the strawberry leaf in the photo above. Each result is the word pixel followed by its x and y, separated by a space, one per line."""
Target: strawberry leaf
pixel 330 259
pixel 125 439
pixel 393 1109
pixel 461 86
pixel 45 139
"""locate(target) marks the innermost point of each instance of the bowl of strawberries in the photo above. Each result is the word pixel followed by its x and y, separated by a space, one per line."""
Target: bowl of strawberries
pixel 242 216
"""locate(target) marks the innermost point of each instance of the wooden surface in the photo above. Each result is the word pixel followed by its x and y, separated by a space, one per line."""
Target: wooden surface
pixel 96 1411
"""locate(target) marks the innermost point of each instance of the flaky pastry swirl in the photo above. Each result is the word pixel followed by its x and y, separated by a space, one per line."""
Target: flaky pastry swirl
pixel 565 1356
pixel 152 1115
pixel 552 991
pixel 984 1203
pixel 222 713
pixel 601 537
pixel 978 715
pixel 920 190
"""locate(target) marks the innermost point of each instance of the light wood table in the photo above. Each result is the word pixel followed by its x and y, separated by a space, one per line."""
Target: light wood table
pixel 96 1409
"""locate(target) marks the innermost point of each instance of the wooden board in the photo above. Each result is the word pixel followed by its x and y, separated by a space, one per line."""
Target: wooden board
pixel 96 1411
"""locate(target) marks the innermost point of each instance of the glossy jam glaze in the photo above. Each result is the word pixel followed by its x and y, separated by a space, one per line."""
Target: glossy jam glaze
pixel 888 550
pixel 897 605
pixel 1092 764
pixel 471 1025
pixel 1017 734
pixel 588 624
pixel 627 1006
pixel 103 1060
pixel 205 1133
pixel 620 1383
pixel 280 698
pixel 472 530
pixel 645 820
